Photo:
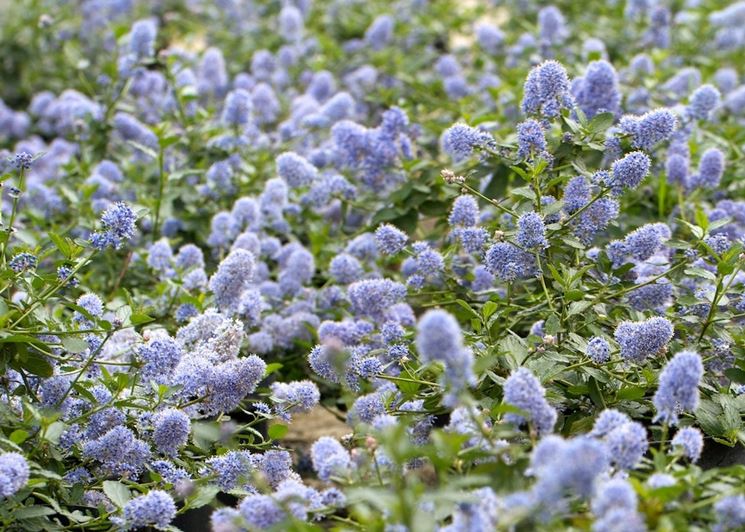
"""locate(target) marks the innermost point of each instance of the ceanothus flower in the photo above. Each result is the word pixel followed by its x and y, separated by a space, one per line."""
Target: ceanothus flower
pixel 524 391
pixel 93 305
pixel 598 350
pixel 374 297
pixel 661 480
pixel 489 37
pixel 380 32
pixel 730 513
pixel 598 91
pixel 551 25
pixel 465 212
pixel 566 466
pixel 390 239
pixel 676 168
pixel 639 340
pixel 160 256
pixel 531 231
pixel 291 24
pixel 703 101
pixel 329 458
pixel 118 451
pixel 345 268
pixel 509 262
pixel 118 223
pixel 627 444
pixel 294 397
pixel 171 430
pixel 640 244
pixel 237 110
pixel 690 441
pixel 546 90
pixel 460 140
pixel 366 408
pixel 677 390
pixel 531 140
pixel 142 38
pixel 614 493
pixel 576 194
pixel 156 508
pixel 22 262
pixel 649 129
pixel 630 171
pixel 473 239
pixel 160 356
pixel 296 170
pixel 233 275
pixel 14 473
pixel 131 129
pixel 480 511
pixel 439 339
pixel 710 170
pixel 607 421
pixel 231 469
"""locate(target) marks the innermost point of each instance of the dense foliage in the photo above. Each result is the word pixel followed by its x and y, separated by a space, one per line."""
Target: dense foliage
pixel 503 241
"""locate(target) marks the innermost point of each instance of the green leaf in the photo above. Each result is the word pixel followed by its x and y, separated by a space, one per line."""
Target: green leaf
pixel 37 364
pixel 18 436
pixel 697 231
pixel 139 318
pixel 631 393
pixel 735 374
pixel 700 272
pixel 271 368
pixel 117 492
pixel 202 496
pixel 73 344
pixel 54 431
pixel 468 308
pixel 525 192
pixel 489 308
pixel 553 325
pixel 578 307
pixel 600 122
pixel 277 431
pixel 30 512
pixel 61 244
pixel 708 415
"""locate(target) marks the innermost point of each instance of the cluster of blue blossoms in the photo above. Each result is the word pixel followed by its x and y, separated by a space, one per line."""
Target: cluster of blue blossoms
pixel 509 267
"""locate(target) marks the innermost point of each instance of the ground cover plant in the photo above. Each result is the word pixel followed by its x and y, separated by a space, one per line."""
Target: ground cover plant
pixel 501 241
